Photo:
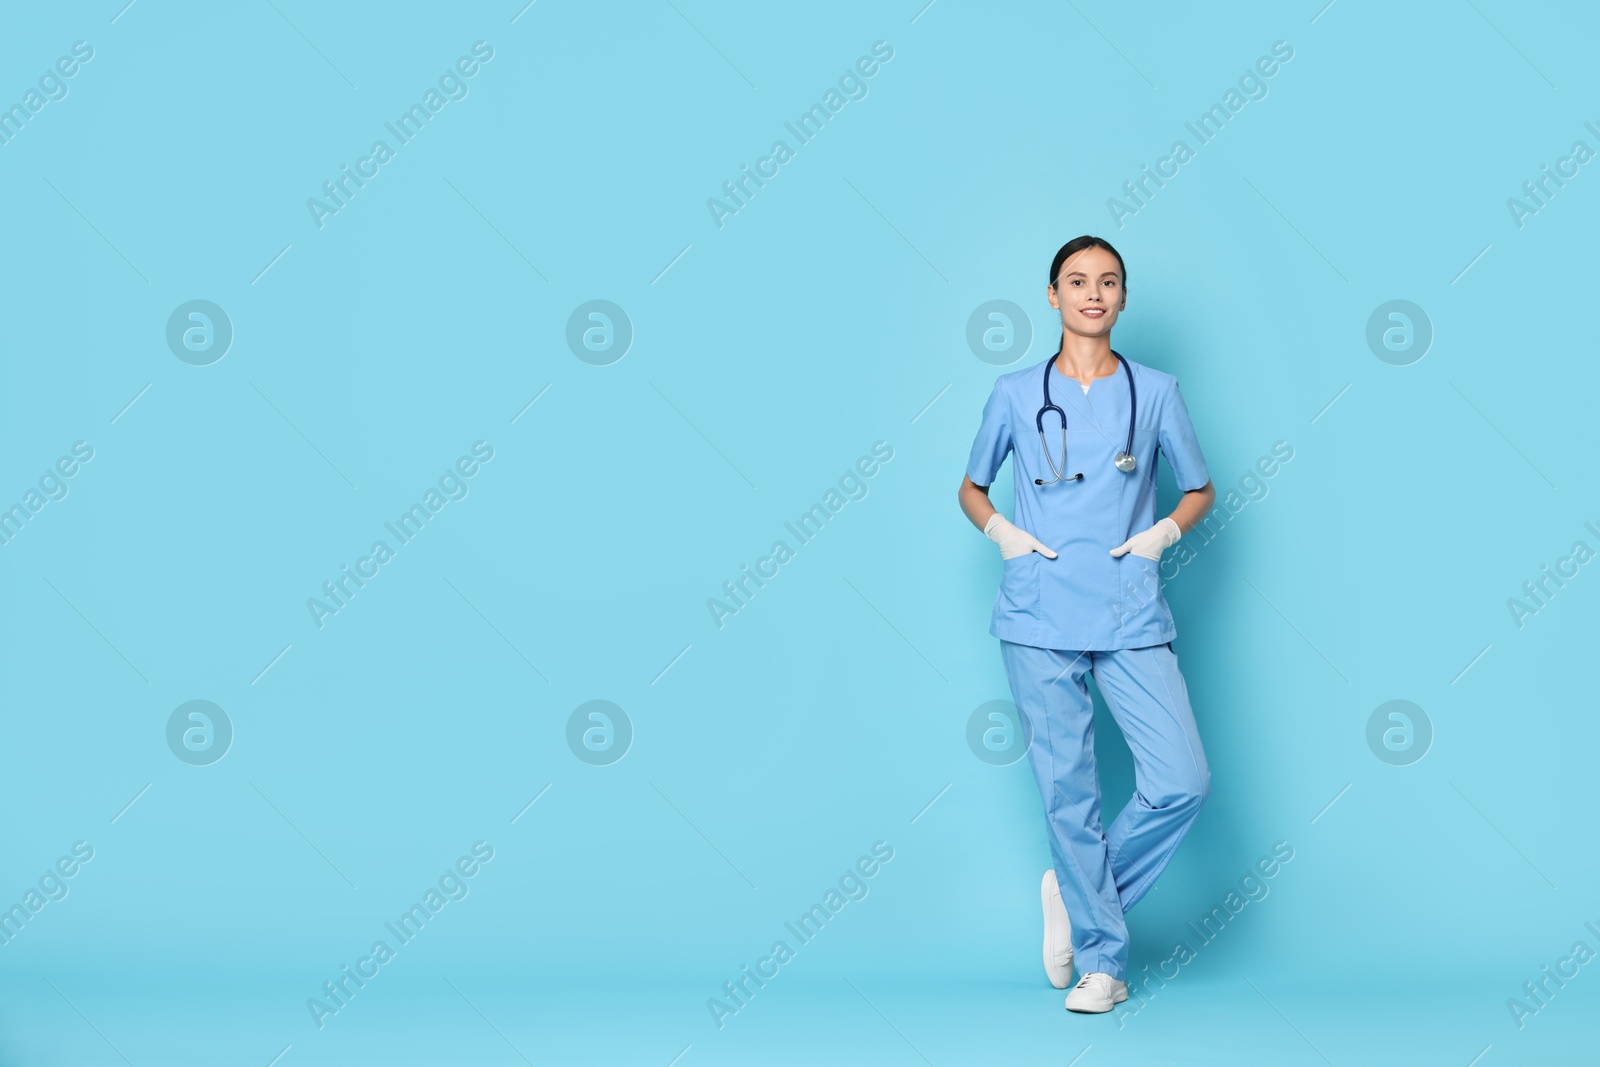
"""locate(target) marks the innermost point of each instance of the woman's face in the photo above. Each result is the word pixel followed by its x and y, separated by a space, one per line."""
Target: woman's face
pixel 1088 292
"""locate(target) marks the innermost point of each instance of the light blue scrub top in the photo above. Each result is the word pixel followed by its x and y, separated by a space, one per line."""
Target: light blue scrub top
pixel 1085 599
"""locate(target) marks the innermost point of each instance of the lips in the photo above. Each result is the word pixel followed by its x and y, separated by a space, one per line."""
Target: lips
pixel 1093 313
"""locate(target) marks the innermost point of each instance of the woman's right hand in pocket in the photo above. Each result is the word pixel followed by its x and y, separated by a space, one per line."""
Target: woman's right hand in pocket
pixel 1013 540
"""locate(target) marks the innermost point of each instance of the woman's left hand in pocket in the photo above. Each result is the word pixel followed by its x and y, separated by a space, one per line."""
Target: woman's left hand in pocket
pixel 1152 542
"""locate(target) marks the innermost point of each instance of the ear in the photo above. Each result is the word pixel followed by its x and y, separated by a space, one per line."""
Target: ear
pixel 1050 295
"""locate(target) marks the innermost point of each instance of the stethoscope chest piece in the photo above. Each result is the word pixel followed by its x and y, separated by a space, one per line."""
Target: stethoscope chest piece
pixel 1125 463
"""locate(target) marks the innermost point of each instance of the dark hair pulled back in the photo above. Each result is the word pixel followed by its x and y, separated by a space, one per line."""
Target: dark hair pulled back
pixel 1078 244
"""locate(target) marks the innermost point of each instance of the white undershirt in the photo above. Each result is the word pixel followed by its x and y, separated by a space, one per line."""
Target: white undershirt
pixel 1085 388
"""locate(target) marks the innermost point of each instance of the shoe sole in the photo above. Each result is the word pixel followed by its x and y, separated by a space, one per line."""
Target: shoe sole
pixel 1052 933
pixel 1122 994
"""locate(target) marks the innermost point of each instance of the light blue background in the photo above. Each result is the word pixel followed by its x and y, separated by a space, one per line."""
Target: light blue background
pixel 828 314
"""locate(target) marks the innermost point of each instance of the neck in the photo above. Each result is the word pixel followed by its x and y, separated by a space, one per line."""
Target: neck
pixel 1086 358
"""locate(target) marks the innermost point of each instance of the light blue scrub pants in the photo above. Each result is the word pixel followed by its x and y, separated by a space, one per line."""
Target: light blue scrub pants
pixel 1102 875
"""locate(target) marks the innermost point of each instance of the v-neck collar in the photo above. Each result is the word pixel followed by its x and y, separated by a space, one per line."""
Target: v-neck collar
pixel 1055 370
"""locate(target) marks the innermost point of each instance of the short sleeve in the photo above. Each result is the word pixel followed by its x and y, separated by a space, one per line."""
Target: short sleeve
pixel 993 442
pixel 1180 445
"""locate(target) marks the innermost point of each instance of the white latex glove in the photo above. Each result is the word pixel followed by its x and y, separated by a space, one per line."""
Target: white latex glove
pixel 1013 540
pixel 1152 542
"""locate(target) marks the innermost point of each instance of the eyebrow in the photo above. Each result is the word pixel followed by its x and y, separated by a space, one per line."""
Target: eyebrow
pixel 1103 274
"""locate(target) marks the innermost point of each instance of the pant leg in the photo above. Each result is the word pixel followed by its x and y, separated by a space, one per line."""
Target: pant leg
pixel 1049 690
pixel 1148 698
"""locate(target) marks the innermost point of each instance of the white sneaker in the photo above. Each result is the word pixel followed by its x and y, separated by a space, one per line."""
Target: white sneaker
pixel 1096 992
pixel 1057 932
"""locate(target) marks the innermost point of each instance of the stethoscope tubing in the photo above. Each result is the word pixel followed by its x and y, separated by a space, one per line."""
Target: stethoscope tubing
pixel 1038 421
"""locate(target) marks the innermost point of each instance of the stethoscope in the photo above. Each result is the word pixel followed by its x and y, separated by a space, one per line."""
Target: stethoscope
pixel 1124 460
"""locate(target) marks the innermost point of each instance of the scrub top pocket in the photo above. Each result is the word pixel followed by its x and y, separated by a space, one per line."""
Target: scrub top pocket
pixel 1019 584
pixel 1141 597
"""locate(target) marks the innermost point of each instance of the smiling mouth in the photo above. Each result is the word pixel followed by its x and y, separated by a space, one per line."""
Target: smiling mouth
pixel 1093 313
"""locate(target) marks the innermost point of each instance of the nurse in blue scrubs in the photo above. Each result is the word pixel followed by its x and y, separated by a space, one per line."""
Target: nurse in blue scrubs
pixel 1080 593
